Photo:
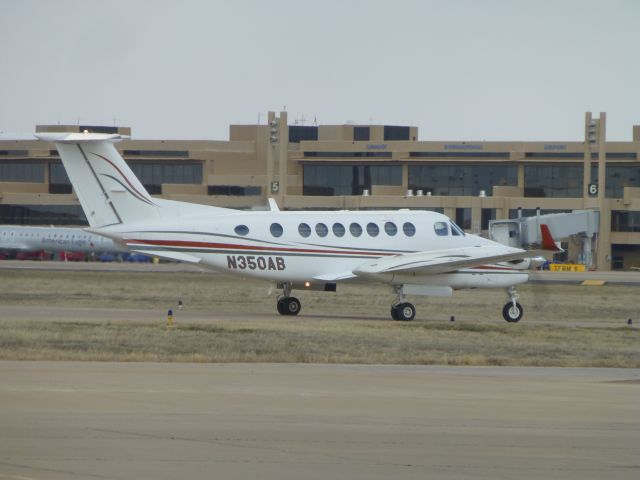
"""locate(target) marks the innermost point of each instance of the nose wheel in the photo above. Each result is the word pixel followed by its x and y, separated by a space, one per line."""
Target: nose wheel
pixel 512 311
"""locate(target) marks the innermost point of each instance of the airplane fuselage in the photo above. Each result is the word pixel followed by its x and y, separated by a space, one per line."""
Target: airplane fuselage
pixel 314 247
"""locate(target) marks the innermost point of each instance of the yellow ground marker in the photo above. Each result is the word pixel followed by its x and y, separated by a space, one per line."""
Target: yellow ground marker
pixel 593 283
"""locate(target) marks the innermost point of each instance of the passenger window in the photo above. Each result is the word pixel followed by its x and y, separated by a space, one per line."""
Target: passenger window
pixel 304 230
pixel 322 230
pixel 276 230
pixel 441 229
pixel 241 230
pixel 338 230
pixel 409 229
pixel 355 229
pixel 373 229
pixel 390 228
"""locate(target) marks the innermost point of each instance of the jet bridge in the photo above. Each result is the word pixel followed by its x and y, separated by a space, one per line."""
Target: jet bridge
pixel 524 232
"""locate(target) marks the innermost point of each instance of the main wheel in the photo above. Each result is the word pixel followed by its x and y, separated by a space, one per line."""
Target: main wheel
pixel 291 306
pixel 512 313
pixel 394 312
pixel 280 306
pixel 404 312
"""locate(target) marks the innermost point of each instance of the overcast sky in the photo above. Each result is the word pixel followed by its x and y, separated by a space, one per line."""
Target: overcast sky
pixel 459 70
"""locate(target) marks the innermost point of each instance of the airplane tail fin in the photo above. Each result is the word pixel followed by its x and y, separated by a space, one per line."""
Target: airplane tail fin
pixel 548 242
pixel 108 190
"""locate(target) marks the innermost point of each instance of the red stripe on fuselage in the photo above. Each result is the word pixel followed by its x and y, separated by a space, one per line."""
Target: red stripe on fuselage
pixel 230 246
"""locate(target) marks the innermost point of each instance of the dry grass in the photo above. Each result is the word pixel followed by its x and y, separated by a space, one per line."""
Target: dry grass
pixel 563 326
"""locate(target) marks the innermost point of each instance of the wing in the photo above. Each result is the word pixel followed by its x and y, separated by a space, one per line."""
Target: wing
pixel 440 261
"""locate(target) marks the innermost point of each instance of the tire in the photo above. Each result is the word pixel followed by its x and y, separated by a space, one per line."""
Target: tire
pixel 292 306
pixel 280 306
pixel 406 312
pixel 511 314
pixel 394 312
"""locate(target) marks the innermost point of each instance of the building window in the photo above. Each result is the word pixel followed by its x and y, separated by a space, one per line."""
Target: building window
pixel 43 215
pixel 355 229
pixel 158 153
pixel 550 155
pixel 467 180
pixel 233 190
pixel 153 174
pixel 487 215
pixel 618 177
pixel 361 134
pixel 304 230
pixel 558 181
pixel 14 153
pixel 300 133
pixel 396 133
pixel 384 154
pixel 329 180
pixel 496 155
pixel 532 212
pixel 58 180
pixel 463 218
pixel 623 221
pixel 98 129
pixel 22 171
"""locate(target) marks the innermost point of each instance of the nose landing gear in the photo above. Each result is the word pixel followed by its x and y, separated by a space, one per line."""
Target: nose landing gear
pixel 512 311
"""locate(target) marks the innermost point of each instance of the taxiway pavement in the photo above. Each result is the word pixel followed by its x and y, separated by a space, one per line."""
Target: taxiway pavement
pixel 65 420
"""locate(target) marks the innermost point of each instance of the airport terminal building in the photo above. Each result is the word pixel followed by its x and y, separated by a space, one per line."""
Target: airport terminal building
pixel 358 167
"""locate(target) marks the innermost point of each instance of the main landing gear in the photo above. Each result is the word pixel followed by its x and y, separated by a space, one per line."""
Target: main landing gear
pixel 288 305
pixel 512 311
pixel 402 310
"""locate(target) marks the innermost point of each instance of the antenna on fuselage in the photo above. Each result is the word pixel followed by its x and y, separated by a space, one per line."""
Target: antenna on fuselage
pixel 273 205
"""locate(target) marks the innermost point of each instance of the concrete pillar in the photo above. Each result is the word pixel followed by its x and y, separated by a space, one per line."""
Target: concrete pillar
pixel 603 256
pixel 283 156
pixel 271 116
pixel 586 173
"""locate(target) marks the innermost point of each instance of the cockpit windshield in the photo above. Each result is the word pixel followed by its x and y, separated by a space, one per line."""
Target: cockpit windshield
pixel 456 230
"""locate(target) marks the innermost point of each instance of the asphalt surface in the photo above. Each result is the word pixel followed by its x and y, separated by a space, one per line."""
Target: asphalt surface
pixel 69 420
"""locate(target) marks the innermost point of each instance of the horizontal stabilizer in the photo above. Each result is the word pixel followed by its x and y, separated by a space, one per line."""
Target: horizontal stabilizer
pixel 80 137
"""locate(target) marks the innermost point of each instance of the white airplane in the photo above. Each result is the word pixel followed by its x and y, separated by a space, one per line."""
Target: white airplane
pixel 416 252
pixel 54 239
